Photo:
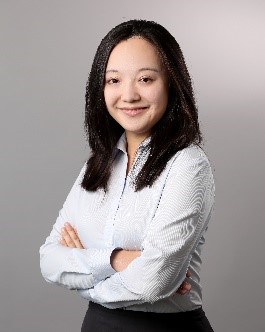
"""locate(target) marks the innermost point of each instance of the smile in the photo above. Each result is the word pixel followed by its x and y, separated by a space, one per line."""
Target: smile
pixel 133 111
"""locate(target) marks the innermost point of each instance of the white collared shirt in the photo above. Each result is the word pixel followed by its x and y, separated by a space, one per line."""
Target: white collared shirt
pixel 166 221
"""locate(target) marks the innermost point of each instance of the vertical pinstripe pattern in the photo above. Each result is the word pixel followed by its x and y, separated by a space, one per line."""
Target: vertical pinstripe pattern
pixel 167 222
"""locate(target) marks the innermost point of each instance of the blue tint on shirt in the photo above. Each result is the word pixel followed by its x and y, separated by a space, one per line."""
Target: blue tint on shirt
pixel 166 221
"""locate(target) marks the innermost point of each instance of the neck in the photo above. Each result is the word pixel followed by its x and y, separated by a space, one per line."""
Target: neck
pixel 133 142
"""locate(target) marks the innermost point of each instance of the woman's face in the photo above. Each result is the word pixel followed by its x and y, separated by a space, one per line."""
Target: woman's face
pixel 136 86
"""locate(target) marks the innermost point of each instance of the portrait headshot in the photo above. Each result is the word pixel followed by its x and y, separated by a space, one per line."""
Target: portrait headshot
pixel 132 144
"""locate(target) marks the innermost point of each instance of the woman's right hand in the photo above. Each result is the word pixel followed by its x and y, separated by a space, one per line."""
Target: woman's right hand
pixel 120 259
pixel 185 287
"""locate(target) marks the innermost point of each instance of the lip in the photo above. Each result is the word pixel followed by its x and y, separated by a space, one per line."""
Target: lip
pixel 133 111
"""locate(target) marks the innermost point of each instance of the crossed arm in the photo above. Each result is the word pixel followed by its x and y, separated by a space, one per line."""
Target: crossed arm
pixel 119 259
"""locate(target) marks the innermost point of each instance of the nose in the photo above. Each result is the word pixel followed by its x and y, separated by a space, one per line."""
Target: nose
pixel 130 93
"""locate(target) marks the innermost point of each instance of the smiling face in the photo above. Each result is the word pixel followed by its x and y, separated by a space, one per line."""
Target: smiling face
pixel 136 86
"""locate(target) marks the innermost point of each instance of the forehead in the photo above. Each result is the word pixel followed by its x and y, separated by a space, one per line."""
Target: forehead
pixel 132 54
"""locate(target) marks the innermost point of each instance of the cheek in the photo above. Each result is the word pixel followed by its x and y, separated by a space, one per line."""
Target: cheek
pixel 110 97
pixel 158 96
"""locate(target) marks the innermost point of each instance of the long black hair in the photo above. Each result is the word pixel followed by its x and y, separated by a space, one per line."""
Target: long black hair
pixel 177 129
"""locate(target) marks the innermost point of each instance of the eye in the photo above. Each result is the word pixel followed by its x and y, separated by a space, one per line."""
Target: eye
pixel 145 79
pixel 112 81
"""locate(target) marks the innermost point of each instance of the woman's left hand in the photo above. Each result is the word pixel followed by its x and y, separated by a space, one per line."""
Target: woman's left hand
pixel 69 237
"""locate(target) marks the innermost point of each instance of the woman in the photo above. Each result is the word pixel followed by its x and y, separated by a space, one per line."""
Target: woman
pixel 133 225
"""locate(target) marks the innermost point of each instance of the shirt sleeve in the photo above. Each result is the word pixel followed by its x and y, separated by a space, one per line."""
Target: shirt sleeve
pixel 73 268
pixel 180 220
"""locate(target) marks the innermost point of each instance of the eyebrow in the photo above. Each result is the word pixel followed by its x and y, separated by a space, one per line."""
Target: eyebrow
pixel 141 69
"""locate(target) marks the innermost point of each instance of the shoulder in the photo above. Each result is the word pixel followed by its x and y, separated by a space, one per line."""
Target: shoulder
pixel 191 155
pixel 190 171
pixel 190 166
pixel 80 175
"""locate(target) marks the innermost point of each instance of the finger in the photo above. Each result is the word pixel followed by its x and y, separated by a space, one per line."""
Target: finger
pixel 62 242
pixel 184 288
pixel 188 274
pixel 67 238
pixel 73 235
pixel 187 286
pixel 182 291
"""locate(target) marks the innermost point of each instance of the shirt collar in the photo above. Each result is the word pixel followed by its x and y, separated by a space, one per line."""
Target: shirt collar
pixel 122 143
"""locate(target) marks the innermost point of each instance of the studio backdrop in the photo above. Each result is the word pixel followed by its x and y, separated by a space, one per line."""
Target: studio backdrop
pixel 47 49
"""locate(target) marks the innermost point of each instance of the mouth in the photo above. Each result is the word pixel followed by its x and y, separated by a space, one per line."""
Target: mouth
pixel 133 111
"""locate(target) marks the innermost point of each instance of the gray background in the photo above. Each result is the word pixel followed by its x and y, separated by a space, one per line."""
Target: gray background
pixel 46 52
